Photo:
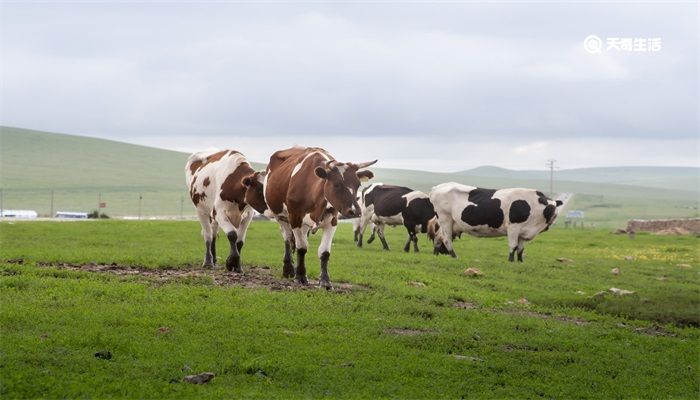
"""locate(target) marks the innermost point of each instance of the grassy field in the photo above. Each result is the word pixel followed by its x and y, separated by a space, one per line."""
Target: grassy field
pixel 78 169
pixel 397 325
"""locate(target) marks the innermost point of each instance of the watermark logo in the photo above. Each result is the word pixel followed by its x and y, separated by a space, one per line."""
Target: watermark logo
pixel 593 44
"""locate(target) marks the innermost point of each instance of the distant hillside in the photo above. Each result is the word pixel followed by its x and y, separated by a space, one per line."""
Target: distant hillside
pixel 679 178
pixel 80 171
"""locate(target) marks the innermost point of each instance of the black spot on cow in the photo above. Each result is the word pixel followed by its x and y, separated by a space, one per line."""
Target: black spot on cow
pixel 418 212
pixel 519 211
pixel 387 200
pixel 549 213
pixel 485 211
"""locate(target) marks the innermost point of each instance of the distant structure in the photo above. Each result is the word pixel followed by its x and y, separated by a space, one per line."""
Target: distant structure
pixel 573 217
pixel 691 225
pixel 26 214
pixel 71 215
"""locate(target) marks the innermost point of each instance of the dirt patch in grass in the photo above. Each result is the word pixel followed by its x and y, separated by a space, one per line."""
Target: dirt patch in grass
pixel 652 330
pixel 541 315
pixel 253 277
pixel 465 305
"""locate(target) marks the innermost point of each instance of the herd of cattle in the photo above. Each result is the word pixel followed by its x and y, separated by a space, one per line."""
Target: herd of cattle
pixel 305 189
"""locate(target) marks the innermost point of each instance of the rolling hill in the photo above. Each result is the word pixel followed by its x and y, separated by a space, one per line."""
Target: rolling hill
pixel 50 172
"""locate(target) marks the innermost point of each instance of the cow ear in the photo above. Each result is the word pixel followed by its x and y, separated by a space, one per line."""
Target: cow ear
pixel 559 203
pixel 248 181
pixel 321 172
pixel 364 176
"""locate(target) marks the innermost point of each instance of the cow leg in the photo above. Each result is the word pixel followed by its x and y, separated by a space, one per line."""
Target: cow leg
pixel 373 234
pixel 415 242
pixel 288 235
pixel 324 254
pixel 364 221
pixel 214 234
pixel 246 218
pixel 521 249
pixel 208 236
pixel 512 243
pixel 380 233
pixel 301 241
pixel 229 218
pixel 407 246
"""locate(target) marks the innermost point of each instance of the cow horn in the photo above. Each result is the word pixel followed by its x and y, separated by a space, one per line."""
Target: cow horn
pixel 331 163
pixel 365 164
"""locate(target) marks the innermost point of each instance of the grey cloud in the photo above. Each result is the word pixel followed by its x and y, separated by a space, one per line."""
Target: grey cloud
pixel 468 70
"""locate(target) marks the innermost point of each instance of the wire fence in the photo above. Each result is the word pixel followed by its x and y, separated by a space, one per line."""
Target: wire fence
pixel 128 203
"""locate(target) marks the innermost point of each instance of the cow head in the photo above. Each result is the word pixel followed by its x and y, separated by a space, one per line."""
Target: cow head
pixel 255 193
pixel 341 181
pixel 436 235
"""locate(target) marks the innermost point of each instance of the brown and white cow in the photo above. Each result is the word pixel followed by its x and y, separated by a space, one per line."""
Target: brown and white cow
pixel 224 189
pixel 305 190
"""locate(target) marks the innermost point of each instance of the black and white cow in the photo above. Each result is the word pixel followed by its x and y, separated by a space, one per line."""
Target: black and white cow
pixel 394 205
pixel 519 214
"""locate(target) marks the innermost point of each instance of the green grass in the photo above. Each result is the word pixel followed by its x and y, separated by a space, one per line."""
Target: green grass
pixel 313 343
pixel 77 169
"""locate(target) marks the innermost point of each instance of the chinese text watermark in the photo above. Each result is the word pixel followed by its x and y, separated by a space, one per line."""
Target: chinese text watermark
pixel 594 44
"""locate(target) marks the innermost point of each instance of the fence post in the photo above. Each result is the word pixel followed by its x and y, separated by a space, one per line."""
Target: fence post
pixel 140 198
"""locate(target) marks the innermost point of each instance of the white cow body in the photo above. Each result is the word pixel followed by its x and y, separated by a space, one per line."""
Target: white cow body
pixel 521 214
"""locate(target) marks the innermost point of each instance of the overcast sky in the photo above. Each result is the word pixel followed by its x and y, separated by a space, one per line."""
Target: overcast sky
pixel 435 86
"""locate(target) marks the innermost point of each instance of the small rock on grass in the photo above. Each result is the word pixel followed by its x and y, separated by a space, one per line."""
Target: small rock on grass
pixel 199 379
pixel 683 265
pixel 523 301
pixel 473 272
pixel 470 358
pixel 565 260
pixel 580 292
pixel 629 258
pixel 615 271
pixel 620 292
pixel 417 284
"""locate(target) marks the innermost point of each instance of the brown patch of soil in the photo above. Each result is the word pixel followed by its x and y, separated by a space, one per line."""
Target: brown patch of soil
pixel 253 276
pixel 534 314
pixel 465 305
pixel 653 330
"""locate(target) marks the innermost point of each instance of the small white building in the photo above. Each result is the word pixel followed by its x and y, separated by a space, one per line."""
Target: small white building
pixel 28 214
pixel 71 214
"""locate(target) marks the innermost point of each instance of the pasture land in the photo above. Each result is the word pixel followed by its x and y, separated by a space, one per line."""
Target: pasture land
pixel 397 325
pixel 77 169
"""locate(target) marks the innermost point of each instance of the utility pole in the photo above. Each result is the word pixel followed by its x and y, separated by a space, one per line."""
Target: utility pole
pixel 51 213
pixel 140 198
pixel 550 164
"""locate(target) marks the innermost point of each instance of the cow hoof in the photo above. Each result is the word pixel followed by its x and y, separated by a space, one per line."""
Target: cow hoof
pixel 453 254
pixel 302 280
pixel 288 271
pixel 208 266
pixel 327 285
